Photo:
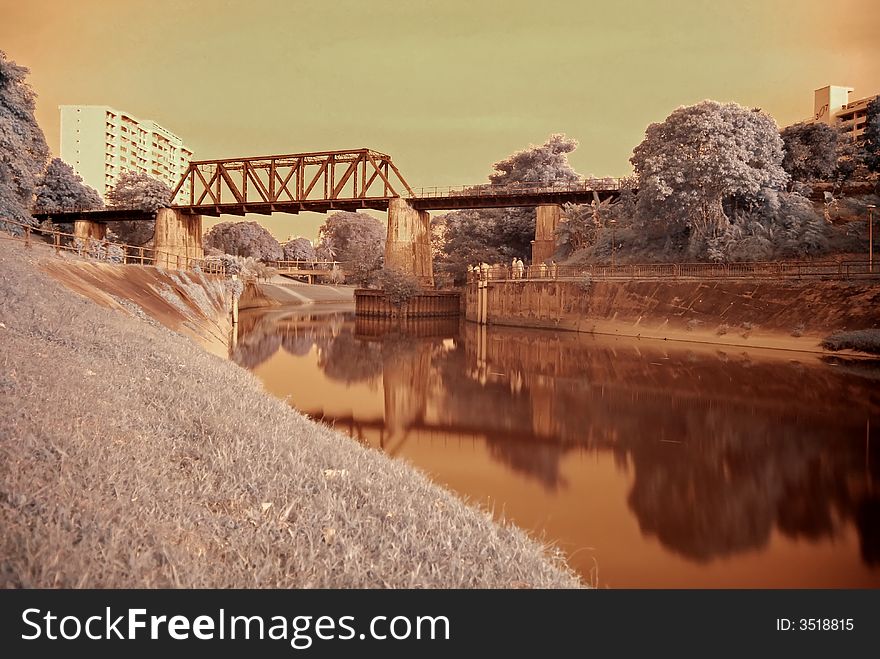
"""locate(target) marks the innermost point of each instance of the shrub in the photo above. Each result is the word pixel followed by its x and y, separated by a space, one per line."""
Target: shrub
pixel 723 329
pixel 399 286
pixel 867 340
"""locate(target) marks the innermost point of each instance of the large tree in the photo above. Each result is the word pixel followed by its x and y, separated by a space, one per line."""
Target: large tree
pixel 811 151
pixel 493 235
pixel 299 249
pixel 139 190
pixel 60 188
pixel 244 239
pixel 346 236
pixel 701 155
pixel 23 149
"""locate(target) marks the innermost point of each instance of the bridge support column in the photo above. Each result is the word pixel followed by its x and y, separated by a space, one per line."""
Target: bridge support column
pixel 88 230
pixel 408 245
pixel 178 238
pixel 544 244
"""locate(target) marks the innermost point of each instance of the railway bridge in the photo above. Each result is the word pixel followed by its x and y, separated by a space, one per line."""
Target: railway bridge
pixel 337 180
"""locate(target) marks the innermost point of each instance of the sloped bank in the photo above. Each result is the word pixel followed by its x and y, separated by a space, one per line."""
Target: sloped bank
pixel 133 458
pixel 771 314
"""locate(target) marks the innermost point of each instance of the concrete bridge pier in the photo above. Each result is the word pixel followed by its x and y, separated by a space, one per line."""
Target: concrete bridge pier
pixel 408 245
pixel 544 244
pixel 178 238
pixel 88 230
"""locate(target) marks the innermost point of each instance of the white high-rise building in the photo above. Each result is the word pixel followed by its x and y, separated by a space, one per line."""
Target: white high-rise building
pixel 100 143
pixel 831 105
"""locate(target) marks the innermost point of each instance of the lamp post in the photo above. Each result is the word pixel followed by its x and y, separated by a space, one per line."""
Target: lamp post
pixel 871 208
pixel 612 223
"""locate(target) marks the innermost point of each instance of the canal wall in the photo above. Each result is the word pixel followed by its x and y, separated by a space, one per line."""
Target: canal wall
pixel 191 303
pixel 774 314
pixel 427 304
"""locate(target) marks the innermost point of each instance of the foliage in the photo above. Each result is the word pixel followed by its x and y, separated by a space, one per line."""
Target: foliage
pixel 399 286
pixel 299 249
pixel 60 188
pixel 541 165
pixel 357 240
pixel 251 268
pixel 699 156
pixel 139 190
pixel 133 232
pixel 769 226
pixel 867 340
pixel 872 135
pixel 497 235
pixel 99 250
pixel 244 239
pixel 810 151
pixel 23 149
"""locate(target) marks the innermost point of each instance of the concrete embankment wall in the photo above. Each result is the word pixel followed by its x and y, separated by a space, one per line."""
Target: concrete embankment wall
pixel 775 314
pixel 194 304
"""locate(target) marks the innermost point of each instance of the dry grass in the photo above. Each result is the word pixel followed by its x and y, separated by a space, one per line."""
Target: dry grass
pixel 132 458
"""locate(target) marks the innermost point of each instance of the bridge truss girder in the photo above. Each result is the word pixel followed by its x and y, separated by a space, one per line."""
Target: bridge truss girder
pixel 319 181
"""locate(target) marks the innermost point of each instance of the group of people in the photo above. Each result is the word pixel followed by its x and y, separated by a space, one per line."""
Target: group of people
pixel 517 270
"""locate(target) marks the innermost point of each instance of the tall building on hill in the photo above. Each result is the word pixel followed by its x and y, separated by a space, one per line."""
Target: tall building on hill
pixel 831 105
pixel 100 143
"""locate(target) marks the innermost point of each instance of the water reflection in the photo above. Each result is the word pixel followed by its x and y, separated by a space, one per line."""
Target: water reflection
pixel 719 455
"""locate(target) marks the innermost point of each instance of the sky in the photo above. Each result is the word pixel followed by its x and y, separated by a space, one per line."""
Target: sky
pixel 446 88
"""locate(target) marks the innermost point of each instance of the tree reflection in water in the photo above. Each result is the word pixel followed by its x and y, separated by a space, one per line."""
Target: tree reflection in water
pixel 723 448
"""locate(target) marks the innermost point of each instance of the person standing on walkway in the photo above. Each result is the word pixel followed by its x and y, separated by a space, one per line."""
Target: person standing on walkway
pixel 520 268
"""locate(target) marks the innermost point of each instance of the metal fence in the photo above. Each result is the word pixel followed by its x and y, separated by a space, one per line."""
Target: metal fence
pixel 106 251
pixel 527 187
pixel 751 270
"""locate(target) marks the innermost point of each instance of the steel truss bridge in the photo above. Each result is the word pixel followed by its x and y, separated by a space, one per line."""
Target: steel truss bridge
pixel 337 180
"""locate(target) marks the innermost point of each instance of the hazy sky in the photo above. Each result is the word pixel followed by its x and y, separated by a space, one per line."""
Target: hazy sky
pixel 447 88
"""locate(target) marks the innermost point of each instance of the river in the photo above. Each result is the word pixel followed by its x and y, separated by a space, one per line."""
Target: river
pixel 650 464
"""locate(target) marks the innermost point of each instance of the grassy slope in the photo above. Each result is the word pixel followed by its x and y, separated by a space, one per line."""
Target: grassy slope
pixel 129 457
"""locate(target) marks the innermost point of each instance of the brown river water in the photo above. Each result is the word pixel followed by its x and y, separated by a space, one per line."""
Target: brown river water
pixel 650 464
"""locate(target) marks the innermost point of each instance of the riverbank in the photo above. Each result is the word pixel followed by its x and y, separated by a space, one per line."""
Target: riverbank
pixel 782 315
pixel 133 458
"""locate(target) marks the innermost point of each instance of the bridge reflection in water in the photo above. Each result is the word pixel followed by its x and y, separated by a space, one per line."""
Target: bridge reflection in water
pixel 664 465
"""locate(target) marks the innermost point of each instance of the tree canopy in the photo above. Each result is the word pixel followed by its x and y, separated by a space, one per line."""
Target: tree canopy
pixel 498 234
pixel 23 149
pixel 244 239
pixel 139 190
pixel 811 151
pixel 700 155
pixel 60 188
pixel 299 249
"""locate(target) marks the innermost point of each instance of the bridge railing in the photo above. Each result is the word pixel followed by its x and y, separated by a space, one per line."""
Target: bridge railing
pixel 749 270
pixel 105 251
pixel 305 265
pixel 528 187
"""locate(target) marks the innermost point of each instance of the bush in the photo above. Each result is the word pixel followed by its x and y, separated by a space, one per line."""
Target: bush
pixel 862 340
pixel 399 287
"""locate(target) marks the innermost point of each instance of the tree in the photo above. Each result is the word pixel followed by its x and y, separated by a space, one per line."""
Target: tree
pixel 299 249
pixel 138 190
pixel 60 188
pixel 244 239
pixel 356 239
pixel 23 149
pixel 499 234
pixel 700 155
pixel 872 135
pixel 772 225
pixel 811 151
pixel 345 233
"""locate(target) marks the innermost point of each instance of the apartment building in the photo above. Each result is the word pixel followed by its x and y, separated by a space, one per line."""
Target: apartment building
pixel 101 142
pixel 832 105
